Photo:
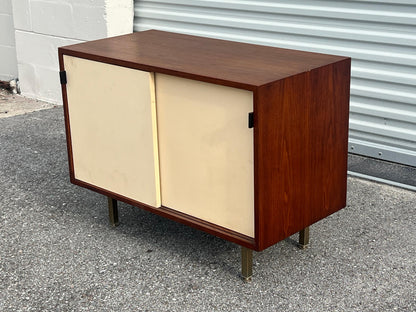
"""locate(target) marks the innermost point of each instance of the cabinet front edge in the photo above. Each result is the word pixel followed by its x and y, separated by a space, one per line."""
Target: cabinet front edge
pixel 177 216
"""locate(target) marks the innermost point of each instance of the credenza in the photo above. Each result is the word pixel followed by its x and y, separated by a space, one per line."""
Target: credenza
pixel 245 142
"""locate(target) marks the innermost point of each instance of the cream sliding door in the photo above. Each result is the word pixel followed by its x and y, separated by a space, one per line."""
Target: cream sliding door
pixel 206 151
pixel 113 128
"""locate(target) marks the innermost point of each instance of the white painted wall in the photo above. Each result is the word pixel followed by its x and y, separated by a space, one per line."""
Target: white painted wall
pixel 8 62
pixel 41 26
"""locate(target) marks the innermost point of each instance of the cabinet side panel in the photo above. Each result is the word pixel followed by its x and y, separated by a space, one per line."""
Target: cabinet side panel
pixel 206 151
pixel 113 128
pixel 301 151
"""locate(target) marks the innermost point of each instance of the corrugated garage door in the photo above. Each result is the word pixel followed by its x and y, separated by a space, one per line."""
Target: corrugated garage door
pixel 380 36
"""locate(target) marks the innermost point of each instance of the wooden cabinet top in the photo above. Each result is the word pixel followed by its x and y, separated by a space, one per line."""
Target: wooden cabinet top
pixel 234 64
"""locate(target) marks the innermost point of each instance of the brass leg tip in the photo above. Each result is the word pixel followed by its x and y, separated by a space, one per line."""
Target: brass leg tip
pixel 302 246
pixel 246 279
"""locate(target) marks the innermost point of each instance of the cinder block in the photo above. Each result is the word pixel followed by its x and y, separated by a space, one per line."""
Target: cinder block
pixel 40 83
pixel 8 63
pixel 119 17
pixel 38 65
pixel 39 50
pixel 89 22
pixel 6 30
pixel 21 15
pixel 52 18
pixel 28 81
pixel 49 85
pixel 6 6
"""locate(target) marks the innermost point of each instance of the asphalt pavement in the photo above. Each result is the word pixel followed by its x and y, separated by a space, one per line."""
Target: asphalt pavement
pixel 59 253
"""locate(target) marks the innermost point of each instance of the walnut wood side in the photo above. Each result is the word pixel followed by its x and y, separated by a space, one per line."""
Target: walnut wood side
pixel 301 137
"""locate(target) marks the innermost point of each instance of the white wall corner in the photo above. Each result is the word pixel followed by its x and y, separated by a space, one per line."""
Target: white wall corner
pixel 41 26
pixel 119 17
pixel 38 65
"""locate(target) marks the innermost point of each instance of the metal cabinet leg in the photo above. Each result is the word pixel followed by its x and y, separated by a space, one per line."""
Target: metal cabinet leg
pixel 304 238
pixel 246 263
pixel 113 211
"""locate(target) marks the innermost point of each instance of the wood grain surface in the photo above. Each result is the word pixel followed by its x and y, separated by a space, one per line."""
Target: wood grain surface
pixel 301 137
pixel 223 62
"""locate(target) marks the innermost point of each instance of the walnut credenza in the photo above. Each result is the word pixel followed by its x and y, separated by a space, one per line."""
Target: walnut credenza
pixel 246 142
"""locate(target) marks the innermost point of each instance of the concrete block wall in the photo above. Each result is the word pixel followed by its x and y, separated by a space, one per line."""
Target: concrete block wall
pixel 44 25
pixel 8 61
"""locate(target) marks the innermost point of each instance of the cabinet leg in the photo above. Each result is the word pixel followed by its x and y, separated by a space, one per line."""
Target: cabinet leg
pixel 113 211
pixel 246 263
pixel 304 238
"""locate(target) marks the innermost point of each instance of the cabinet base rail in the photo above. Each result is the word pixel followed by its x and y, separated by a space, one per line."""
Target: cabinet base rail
pixel 246 253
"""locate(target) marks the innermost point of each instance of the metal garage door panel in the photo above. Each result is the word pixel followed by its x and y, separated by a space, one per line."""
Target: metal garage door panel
pixel 379 36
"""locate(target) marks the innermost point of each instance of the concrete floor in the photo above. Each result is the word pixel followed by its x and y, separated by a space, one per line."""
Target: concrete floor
pixel 15 104
pixel 58 252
